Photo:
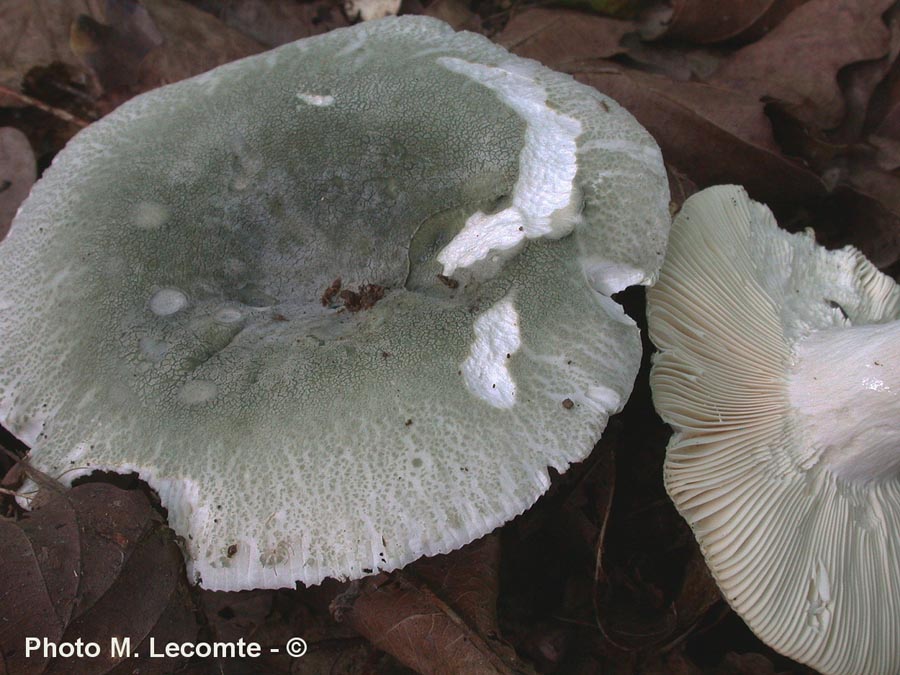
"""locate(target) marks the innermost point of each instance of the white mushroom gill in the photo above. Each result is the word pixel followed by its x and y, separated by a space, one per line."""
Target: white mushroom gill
pixel 778 370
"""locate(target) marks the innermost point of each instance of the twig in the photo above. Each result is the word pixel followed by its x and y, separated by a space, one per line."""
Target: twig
pixel 13 493
pixel 56 112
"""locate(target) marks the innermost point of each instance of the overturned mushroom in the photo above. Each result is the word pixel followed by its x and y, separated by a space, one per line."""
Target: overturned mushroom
pixel 779 369
pixel 172 297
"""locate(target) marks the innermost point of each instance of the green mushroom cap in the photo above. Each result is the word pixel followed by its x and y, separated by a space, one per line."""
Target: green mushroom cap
pixel 341 304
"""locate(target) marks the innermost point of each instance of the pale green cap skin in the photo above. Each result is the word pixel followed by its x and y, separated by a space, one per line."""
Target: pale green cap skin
pixel 160 297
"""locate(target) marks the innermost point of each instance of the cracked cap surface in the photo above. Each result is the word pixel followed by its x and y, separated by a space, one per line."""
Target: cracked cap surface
pixel 165 304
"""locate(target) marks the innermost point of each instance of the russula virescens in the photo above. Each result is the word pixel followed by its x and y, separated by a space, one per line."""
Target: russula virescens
pixel 329 301
pixel 779 369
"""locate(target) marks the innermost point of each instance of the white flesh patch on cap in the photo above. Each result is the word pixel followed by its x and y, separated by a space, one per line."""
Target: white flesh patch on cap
pixel 610 277
pixel 547 167
pixel 150 215
pixel 805 552
pixel 316 99
pixel 167 301
pixel 497 338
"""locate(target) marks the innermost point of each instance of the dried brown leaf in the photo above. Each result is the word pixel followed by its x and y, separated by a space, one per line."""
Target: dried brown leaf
pixel 342 657
pixel 711 134
pixel 36 33
pixel 564 37
pixel 744 664
pixel 888 113
pixel 193 42
pixel 40 563
pixel 438 616
pixel 797 63
pixel 887 152
pixel 91 563
pixel 860 82
pixel 680 187
pixel 870 210
pixel 703 22
pixel 675 61
pixel 275 22
pixel 17 174
pixel 136 46
pixel 457 13
pixel 698 594
pixel 587 507
pixel 669 663
pixel 617 8
pixel 115 52
pixel 630 614
pixel 883 109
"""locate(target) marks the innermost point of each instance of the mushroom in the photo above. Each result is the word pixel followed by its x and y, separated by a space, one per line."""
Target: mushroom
pixel 779 369
pixel 330 301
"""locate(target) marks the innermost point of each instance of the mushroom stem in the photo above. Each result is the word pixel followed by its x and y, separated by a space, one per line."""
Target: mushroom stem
pixel 845 385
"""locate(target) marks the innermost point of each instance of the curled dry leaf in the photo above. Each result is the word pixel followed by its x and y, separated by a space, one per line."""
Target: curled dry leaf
pixel 634 614
pixel 745 664
pixel 888 125
pixel 675 61
pixel 437 616
pixel 712 134
pixel 704 23
pixel 455 12
pixel 887 152
pixel 797 63
pixel 618 8
pixel 861 82
pixel 134 46
pixel 698 594
pixel 561 38
pixel 17 174
pixel 680 187
pixel 91 563
pixel 36 33
pixel 630 616
pixel 115 52
pixel 867 215
pixel 193 42
pixel 669 663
